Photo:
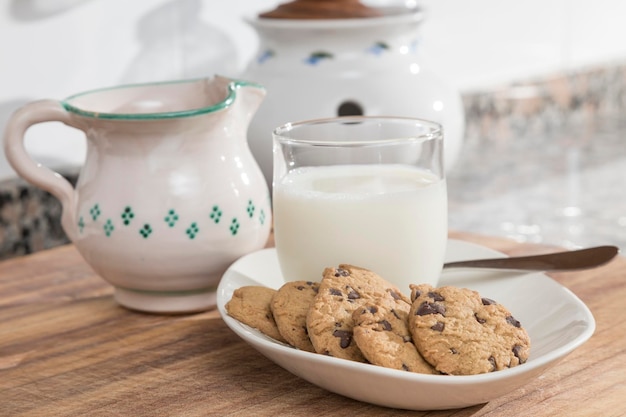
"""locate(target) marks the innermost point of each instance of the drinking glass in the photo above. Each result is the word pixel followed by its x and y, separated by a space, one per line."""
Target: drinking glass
pixel 366 191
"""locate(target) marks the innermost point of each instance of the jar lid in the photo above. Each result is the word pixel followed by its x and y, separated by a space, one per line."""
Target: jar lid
pixel 321 9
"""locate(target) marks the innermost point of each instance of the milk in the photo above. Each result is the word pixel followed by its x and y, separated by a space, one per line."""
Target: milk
pixel 391 219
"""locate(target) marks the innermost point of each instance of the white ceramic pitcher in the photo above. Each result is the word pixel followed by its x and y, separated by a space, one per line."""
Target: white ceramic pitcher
pixel 169 194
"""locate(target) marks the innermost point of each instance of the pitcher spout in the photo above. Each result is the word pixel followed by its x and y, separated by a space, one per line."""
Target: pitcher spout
pixel 246 96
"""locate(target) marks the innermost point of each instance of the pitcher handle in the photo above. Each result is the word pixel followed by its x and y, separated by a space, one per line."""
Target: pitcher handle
pixel 33 172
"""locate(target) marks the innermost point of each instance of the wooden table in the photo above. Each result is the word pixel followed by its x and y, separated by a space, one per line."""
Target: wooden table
pixel 66 349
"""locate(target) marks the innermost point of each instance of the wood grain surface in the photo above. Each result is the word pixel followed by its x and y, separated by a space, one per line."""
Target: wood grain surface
pixel 66 349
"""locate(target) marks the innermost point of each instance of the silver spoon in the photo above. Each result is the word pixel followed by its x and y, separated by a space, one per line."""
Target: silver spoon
pixel 560 261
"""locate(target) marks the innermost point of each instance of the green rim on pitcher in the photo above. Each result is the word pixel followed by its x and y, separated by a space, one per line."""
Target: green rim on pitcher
pixel 232 87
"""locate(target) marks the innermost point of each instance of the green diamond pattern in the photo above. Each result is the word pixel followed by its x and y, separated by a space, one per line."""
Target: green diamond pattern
pixel 145 231
pixel 250 209
pixel 95 212
pixel 171 218
pixel 234 226
pixel 216 214
pixel 108 227
pixel 192 230
pixel 127 215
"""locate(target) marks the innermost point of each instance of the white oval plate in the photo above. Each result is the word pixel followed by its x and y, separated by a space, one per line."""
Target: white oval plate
pixel 556 320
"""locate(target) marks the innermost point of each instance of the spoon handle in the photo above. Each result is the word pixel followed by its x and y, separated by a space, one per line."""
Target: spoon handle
pixel 560 261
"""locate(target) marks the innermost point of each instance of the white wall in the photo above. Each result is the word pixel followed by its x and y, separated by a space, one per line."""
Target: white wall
pixel 54 48
pixel 481 43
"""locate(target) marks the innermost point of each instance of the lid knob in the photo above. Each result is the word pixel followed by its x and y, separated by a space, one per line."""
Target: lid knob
pixel 321 9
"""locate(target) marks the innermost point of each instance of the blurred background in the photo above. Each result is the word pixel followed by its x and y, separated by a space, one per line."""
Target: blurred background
pixel 54 48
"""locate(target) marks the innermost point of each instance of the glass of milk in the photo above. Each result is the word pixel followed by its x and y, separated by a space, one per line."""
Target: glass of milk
pixel 363 190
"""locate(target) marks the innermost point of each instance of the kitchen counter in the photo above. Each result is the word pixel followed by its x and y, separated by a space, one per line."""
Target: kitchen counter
pixel 544 161
pixel 66 349
pixel 564 187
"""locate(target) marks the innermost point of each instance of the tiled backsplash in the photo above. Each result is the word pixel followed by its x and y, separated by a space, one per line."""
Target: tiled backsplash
pixel 541 105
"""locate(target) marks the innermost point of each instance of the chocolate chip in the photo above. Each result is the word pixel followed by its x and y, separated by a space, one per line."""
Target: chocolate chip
pixel 405 367
pixel 335 291
pixel 395 295
pixel 511 320
pixel 352 294
pixel 430 308
pixel 300 287
pixel 310 283
pixel 340 272
pixel 516 351
pixel 492 361
pixel 372 309
pixel 454 351
pixel 438 327
pixel 415 295
pixel 436 296
pixel 395 314
pixel 386 325
pixel 344 336
pixel 488 301
pixel 480 320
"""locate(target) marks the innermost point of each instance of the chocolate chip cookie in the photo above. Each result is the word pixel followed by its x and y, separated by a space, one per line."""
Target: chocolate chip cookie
pixel 460 333
pixel 383 336
pixel 251 305
pixel 289 306
pixel 343 290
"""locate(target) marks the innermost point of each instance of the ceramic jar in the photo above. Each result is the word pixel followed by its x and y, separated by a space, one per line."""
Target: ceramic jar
pixel 317 68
